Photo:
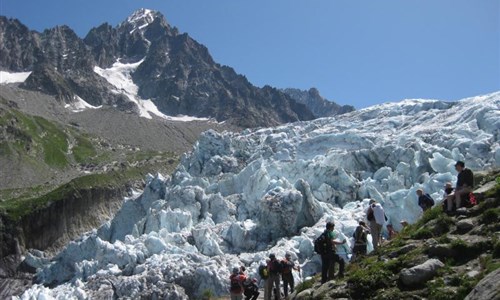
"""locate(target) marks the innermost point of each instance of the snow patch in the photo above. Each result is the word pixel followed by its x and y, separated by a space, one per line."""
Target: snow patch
pixel 119 75
pixel 7 77
pixel 80 105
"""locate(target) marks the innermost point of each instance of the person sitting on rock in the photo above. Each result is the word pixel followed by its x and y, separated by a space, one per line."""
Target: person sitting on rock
pixel 236 284
pixel 425 201
pixel 448 189
pixel 251 290
pixel 465 183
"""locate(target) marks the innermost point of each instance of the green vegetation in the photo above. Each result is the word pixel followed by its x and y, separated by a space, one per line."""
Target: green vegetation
pixel 18 207
pixel 83 149
pixel 490 216
pixel 366 277
pixel 306 284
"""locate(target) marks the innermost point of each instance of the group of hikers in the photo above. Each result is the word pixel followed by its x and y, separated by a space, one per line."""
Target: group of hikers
pixel 453 198
pixel 272 273
pixel 327 242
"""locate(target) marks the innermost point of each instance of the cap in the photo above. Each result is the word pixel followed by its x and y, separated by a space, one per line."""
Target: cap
pixel 272 256
pixel 372 201
pixel 330 225
pixel 236 270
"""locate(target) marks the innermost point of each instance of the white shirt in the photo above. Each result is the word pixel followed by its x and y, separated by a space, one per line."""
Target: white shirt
pixel 378 213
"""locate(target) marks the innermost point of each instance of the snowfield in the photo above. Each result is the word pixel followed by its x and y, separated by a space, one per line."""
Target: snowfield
pixel 7 77
pixel 237 197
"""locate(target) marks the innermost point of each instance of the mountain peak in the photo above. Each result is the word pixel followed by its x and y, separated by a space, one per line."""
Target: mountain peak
pixel 141 18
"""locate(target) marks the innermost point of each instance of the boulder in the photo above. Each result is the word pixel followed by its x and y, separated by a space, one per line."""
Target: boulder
pixel 420 274
pixel 305 294
pixel 465 225
pixel 487 288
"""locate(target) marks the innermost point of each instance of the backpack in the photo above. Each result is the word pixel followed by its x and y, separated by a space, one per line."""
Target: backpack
pixel 263 273
pixel 360 236
pixel 370 216
pixel 428 200
pixel 235 286
pixel 321 244
pixel 276 267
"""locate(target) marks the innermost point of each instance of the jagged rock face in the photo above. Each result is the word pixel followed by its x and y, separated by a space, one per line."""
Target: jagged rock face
pixel 177 73
pixel 17 45
pixel 318 105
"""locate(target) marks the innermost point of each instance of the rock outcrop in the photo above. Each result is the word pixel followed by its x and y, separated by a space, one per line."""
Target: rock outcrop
pixel 420 274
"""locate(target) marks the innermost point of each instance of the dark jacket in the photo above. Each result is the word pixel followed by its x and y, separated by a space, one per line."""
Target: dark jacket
pixel 465 178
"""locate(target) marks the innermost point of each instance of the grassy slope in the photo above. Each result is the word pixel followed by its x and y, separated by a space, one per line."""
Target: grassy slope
pixel 41 145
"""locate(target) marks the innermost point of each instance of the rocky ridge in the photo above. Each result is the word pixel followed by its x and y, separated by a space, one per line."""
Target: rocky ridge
pixel 319 106
pixel 175 72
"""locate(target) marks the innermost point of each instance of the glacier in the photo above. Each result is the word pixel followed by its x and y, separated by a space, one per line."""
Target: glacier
pixel 237 197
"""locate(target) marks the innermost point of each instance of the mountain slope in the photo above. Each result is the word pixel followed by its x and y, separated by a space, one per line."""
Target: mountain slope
pixel 173 73
pixel 236 198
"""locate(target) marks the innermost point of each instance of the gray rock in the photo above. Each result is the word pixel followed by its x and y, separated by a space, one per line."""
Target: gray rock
pixel 306 294
pixel 420 274
pixel 487 288
pixel 403 250
pixel 441 250
pixel 465 225
pixel 473 273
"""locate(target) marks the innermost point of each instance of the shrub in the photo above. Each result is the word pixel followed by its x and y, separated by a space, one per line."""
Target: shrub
pixel 304 285
pixel 422 233
pixel 490 216
pixel 496 250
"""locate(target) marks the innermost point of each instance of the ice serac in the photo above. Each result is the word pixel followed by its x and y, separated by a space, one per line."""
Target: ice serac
pixel 239 196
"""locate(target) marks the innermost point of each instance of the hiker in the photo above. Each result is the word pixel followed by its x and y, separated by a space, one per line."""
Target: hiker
pixel 465 183
pixel 329 258
pixel 236 284
pixel 448 189
pixel 425 201
pixel 391 233
pixel 360 240
pixel 251 290
pixel 376 216
pixel 274 268
pixel 287 275
pixel 264 276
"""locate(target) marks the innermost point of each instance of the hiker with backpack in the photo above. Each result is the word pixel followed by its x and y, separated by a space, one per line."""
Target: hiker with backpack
pixel 236 284
pixel 425 200
pixel 274 269
pixel 360 240
pixel 376 216
pixel 287 275
pixel 465 183
pixel 264 276
pixel 325 246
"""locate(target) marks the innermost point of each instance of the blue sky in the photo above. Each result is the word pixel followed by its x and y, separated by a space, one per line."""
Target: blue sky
pixel 355 52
